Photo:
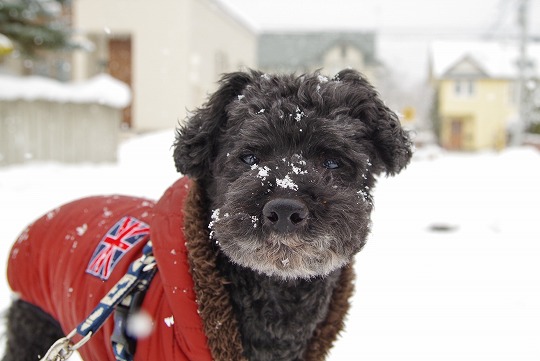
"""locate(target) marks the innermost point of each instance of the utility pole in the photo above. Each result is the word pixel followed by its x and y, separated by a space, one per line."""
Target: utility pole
pixel 523 64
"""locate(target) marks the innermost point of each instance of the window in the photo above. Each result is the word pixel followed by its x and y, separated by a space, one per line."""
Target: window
pixel 464 87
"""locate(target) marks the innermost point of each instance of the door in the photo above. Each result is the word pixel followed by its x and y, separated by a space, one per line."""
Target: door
pixel 120 68
pixel 456 134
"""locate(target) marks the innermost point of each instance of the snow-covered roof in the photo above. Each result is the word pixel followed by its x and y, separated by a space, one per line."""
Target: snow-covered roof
pixel 496 59
pixel 102 89
pixel 292 50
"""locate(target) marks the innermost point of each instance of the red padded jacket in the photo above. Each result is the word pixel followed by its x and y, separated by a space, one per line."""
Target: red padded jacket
pixel 61 263
pixel 49 266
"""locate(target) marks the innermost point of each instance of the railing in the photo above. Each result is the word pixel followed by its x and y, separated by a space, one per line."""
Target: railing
pixel 48 121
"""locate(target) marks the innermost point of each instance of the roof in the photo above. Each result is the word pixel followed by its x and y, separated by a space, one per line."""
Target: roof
pixel 102 89
pixel 293 49
pixel 494 59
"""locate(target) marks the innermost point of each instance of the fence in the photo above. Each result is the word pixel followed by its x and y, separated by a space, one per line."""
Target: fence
pixel 44 130
pixel 72 125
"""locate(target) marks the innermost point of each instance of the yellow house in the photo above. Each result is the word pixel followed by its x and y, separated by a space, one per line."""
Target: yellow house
pixel 476 92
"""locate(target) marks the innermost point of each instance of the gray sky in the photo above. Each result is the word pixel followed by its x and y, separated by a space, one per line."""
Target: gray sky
pixel 456 16
pixel 404 28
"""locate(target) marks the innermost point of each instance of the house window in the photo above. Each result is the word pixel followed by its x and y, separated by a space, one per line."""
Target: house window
pixel 464 87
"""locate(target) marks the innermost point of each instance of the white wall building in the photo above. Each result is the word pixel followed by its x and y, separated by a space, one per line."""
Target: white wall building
pixel 171 52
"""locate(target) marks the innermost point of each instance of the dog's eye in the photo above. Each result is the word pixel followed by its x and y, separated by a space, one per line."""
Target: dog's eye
pixel 331 164
pixel 249 159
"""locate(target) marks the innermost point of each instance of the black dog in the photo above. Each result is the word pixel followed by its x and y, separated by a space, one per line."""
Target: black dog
pixel 284 166
pixel 289 164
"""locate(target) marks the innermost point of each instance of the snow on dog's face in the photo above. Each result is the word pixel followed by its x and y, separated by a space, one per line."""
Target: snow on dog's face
pixel 289 164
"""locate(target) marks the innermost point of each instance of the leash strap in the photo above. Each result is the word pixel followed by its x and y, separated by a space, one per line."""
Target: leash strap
pixel 123 344
pixel 137 279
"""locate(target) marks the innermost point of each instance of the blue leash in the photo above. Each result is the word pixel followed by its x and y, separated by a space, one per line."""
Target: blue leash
pixel 125 296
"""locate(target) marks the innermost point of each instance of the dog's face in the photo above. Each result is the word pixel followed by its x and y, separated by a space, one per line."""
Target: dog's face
pixel 289 164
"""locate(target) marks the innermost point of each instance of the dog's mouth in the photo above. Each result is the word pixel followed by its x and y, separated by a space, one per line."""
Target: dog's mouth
pixel 247 241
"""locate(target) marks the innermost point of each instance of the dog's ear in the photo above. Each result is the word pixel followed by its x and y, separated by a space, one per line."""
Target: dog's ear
pixel 391 142
pixel 196 141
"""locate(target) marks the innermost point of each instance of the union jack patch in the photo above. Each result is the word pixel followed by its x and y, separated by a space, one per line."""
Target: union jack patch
pixel 125 234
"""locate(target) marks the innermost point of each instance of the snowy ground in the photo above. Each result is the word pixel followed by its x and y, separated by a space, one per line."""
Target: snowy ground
pixel 471 292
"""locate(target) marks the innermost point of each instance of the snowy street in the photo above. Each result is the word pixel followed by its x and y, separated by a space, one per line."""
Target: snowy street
pixel 451 270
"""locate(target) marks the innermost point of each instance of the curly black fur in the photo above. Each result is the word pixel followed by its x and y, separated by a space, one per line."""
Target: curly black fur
pixel 278 316
pixel 307 139
pixel 30 332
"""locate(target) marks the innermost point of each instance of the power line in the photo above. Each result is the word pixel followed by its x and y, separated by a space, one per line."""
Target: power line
pixel 427 33
pixel 506 9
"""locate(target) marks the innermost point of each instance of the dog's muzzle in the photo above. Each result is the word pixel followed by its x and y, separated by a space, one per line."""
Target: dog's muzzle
pixel 285 215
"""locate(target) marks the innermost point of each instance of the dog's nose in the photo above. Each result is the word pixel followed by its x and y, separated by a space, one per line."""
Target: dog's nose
pixel 285 215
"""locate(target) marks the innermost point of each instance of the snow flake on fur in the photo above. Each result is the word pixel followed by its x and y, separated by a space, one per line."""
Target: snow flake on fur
pixel 287 182
pixel 299 114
